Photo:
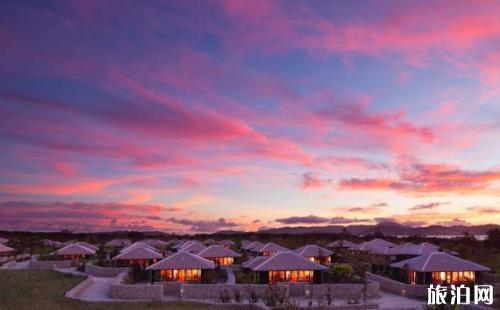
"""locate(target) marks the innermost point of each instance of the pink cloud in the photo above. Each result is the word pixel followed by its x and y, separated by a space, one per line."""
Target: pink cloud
pixel 79 216
pixel 433 178
pixel 311 180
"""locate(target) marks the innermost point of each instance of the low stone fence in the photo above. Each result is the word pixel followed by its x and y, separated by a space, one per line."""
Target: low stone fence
pixel 396 287
pixel 124 291
pixel 213 291
pixel 104 272
pixel 118 290
pixel 50 264
pixel 77 290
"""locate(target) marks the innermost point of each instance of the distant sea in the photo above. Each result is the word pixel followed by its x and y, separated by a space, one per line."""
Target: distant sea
pixel 478 237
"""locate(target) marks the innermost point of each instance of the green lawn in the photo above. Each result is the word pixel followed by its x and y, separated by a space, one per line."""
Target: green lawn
pixel 40 290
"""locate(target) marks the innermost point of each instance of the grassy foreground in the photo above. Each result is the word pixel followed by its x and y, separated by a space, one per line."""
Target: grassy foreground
pixel 40 290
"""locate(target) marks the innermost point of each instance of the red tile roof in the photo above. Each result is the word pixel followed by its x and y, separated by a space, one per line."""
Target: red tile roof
pixel 118 243
pixel 137 244
pixel 88 245
pixel 245 243
pixel 215 251
pixel 287 261
pixel 6 249
pixel 438 261
pixel 270 247
pixel 252 245
pixel 75 249
pixel 209 242
pixel 312 250
pixel 340 244
pixel 193 247
pixel 138 252
pixel 227 242
pixel 254 262
pixel 182 260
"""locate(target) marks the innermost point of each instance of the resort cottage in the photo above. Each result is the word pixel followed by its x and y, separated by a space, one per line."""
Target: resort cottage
pixel 209 242
pixel 286 267
pixel 140 255
pixel 52 243
pixel 228 244
pixel 6 253
pixel 315 253
pixel 269 249
pixel 192 247
pixel 340 244
pixel 439 268
pixel 371 245
pixel 244 243
pixel 252 246
pixel 74 252
pixel 137 244
pixel 156 243
pixel 219 255
pixel 117 243
pixel 180 267
pixel 87 245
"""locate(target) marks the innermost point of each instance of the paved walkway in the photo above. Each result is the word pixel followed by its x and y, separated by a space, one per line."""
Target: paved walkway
pixel 393 301
pixel 231 279
pixel 98 290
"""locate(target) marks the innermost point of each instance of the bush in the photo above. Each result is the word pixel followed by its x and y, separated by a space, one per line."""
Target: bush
pixel 237 296
pixel 329 295
pixel 254 297
pixel 275 297
pixel 137 274
pixel 210 276
pixel 341 272
pixel 225 297
pixel 80 267
pixel 243 277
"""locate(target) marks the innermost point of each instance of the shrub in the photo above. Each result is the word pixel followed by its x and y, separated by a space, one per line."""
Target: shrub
pixel 225 297
pixel 254 297
pixel 137 274
pixel 210 276
pixel 275 297
pixel 81 267
pixel 237 296
pixel 341 272
pixel 329 295
pixel 243 277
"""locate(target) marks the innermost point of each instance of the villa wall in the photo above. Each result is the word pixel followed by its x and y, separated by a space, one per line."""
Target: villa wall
pixel 124 291
pixel 208 291
pixel 118 290
pixel 105 272
pixel 50 264
pixel 396 287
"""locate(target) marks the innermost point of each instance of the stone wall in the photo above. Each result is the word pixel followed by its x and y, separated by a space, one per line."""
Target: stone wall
pixel 213 291
pixel 396 287
pixel 124 291
pixel 105 272
pixel 118 290
pixel 50 264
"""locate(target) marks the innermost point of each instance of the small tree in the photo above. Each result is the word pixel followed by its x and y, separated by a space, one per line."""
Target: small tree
pixel 225 297
pixel 254 297
pixel 237 296
pixel 329 295
pixel 341 272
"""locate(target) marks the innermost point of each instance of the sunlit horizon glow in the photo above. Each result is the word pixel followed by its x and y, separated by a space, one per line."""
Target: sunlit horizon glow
pixel 186 116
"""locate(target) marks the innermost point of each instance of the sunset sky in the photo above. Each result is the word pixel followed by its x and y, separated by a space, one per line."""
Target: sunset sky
pixel 197 116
